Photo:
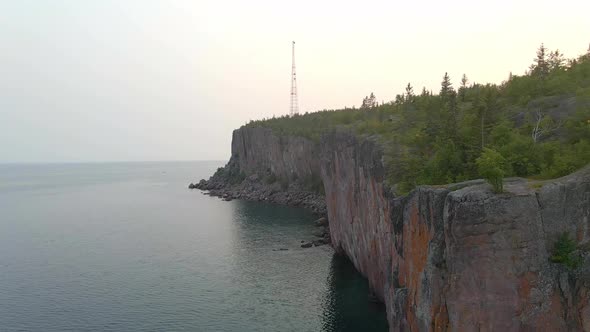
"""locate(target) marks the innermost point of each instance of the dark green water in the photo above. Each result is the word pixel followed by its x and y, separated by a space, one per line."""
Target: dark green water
pixel 126 247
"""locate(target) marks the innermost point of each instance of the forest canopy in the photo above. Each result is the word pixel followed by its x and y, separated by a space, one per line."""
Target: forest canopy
pixel 538 124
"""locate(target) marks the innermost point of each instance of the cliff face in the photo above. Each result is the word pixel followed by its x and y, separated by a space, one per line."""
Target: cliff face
pixel 458 257
pixel 464 259
pixel 258 150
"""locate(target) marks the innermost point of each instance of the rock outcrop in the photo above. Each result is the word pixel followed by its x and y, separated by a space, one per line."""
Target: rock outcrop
pixel 447 258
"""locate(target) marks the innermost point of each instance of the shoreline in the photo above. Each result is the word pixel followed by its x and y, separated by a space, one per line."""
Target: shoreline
pixel 252 190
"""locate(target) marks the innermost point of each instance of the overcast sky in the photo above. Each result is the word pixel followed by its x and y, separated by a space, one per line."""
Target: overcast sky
pixel 123 80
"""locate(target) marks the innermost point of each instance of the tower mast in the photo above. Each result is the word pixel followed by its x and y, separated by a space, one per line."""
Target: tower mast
pixel 294 103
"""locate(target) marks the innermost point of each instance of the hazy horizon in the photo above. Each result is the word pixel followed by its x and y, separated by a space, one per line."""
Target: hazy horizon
pixel 169 81
pixel 10 163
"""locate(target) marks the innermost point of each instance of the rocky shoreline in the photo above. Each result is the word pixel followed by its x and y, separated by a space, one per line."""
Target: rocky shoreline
pixel 253 189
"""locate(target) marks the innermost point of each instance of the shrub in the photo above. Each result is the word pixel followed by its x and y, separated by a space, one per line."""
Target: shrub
pixel 563 252
pixel 491 165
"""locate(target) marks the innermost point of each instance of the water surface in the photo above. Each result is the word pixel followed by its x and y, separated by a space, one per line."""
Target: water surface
pixel 126 247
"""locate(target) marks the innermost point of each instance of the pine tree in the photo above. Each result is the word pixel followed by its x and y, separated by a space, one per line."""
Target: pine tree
pixel 448 98
pixel 463 87
pixel 424 92
pixel 372 101
pixel 540 68
pixel 445 87
pixel 556 60
pixel 399 99
pixel 409 93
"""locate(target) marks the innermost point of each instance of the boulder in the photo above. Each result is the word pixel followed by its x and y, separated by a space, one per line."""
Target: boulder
pixel 320 242
pixel 323 221
pixel 320 232
pixel 307 245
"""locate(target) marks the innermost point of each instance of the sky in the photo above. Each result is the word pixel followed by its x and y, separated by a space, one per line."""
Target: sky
pixel 136 80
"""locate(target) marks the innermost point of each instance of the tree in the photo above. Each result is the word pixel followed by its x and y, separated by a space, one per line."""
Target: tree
pixel 463 87
pixel 369 102
pixel 542 125
pixel 540 68
pixel 491 165
pixel 556 60
pixel 446 86
pixel 584 56
pixel 424 92
pixel 372 101
pixel 448 98
pixel 409 93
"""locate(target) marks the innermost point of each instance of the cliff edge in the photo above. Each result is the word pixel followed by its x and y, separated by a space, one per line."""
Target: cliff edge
pixel 456 257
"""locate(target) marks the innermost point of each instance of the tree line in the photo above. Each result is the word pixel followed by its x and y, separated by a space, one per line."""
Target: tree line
pixel 533 125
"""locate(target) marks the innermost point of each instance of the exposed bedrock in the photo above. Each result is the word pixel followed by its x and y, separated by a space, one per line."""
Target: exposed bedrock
pixel 446 258
pixel 462 260
pixel 260 151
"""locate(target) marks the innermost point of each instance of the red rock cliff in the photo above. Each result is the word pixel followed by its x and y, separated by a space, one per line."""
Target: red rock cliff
pixel 454 258
pixel 459 259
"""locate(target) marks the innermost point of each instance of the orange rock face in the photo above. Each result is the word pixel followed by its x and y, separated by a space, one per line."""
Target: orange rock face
pixel 459 258
pixel 462 260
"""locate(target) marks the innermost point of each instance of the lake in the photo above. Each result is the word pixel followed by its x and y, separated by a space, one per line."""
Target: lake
pixel 127 247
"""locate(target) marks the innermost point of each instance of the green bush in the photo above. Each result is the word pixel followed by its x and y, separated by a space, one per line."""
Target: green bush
pixel 491 167
pixel 563 252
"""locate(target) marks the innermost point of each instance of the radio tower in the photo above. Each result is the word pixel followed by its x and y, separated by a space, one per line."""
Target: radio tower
pixel 294 104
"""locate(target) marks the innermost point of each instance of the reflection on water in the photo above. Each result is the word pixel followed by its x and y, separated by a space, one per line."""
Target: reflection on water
pixel 313 279
pixel 347 306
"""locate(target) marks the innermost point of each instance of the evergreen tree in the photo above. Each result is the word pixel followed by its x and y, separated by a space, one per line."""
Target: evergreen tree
pixel 448 98
pixel 555 61
pixel 445 86
pixel 409 93
pixel 365 102
pixel 399 99
pixel 463 87
pixel 369 102
pixel 372 101
pixel 540 68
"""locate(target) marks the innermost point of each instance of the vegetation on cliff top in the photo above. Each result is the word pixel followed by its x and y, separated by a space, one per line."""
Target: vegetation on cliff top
pixel 534 125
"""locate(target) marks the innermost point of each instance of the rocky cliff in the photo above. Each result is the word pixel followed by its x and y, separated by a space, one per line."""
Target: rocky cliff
pixel 456 257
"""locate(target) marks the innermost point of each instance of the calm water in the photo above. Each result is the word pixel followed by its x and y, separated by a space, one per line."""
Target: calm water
pixel 126 247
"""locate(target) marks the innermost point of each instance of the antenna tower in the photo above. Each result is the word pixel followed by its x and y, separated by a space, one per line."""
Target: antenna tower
pixel 294 104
